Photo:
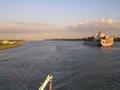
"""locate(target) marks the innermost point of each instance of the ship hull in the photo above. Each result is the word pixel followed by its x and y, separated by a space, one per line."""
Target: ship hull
pixel 107 42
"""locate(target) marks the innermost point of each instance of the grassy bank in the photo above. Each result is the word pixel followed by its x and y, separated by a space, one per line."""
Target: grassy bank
pixel 8 46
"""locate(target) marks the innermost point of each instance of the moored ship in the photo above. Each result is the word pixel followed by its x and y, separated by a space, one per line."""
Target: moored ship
pixel 100 40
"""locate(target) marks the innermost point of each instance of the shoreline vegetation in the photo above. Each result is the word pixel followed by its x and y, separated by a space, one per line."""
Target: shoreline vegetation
pixel 7 44
pixel 63 39
pixel 116 39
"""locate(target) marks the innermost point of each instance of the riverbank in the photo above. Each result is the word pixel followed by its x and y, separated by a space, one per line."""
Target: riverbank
pixel 116 39
pixel 64 39
pixel 8 46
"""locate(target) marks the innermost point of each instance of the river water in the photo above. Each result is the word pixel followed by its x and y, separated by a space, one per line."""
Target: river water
pixel 74 66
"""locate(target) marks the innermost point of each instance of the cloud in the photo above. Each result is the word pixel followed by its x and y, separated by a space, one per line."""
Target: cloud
pixel 30 31
pixel 28 28
pixel 35 31
pixel 90 27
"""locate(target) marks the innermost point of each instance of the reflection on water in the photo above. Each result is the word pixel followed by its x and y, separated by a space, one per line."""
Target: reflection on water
pixel 73 65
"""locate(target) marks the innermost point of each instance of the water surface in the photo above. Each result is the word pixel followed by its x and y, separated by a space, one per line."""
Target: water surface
pixel 74 66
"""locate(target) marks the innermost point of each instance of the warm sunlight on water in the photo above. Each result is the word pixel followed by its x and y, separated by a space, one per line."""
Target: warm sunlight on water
pixel 73 65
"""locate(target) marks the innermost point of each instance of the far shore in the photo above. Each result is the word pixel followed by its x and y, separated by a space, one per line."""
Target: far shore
pixel 116 39
pixel 63 39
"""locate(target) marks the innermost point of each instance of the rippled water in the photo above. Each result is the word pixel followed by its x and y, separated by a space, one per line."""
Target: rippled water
pixel 73 65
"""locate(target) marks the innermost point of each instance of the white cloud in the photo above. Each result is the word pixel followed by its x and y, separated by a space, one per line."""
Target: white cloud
pixel 89 27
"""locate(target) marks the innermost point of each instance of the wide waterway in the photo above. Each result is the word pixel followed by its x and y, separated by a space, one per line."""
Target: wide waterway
pixel 74 66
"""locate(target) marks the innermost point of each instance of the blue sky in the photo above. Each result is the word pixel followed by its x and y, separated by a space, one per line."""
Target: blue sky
pixel 61 12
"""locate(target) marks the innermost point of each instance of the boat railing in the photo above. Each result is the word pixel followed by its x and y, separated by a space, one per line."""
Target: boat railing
pixel 44 84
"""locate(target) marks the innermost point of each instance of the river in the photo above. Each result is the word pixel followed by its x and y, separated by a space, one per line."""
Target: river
pixel 74 66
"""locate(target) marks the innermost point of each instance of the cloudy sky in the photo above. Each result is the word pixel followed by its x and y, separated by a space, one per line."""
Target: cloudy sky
pixel 42 19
